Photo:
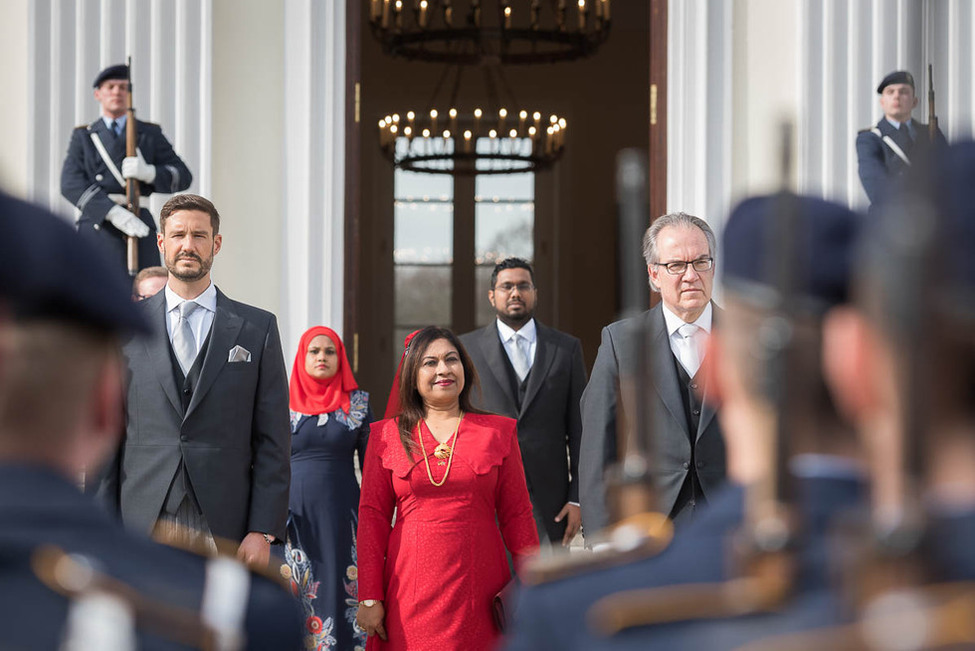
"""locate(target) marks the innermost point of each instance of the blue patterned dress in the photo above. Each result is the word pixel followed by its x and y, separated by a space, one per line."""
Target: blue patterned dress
pixel 320 551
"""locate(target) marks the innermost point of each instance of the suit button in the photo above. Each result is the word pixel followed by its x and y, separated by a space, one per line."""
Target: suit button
pixel 97 227
pixel 696 412
pixel 692 504
pixel 182 437
pixel 694 385
pixel 687 464
pixel 187 392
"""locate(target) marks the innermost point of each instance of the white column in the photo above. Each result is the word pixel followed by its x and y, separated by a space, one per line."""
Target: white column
pixel 314 175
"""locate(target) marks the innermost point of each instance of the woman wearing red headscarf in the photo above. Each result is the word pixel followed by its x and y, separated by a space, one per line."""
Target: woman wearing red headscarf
pixel 330 420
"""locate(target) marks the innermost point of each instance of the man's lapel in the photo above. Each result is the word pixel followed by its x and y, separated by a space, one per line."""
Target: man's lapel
pixel 491 348
pixel 664 373
pixel 544 354
pixel 226 326
pixel 157 349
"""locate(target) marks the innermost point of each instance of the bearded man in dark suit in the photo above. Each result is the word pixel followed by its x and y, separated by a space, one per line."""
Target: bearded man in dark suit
pixel 536 375
pixel 208 444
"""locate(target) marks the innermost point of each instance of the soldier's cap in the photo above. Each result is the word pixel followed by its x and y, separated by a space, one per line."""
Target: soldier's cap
pixel 117 71
pixel 820 254
pixel 896 77
pixel 48 271
pixel 927 230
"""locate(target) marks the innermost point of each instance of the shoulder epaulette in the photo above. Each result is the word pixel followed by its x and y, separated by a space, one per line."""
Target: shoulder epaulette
pixel 866 130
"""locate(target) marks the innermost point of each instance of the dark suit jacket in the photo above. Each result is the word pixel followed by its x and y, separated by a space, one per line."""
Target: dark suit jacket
pixel 86 182
pixel 234 438
pixel 877 163
pixel 39 507
pixel 549 420
pixel 671 452
pixel 554 615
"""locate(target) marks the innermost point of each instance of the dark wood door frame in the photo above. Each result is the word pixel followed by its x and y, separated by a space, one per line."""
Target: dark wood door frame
pixel 658 115
pixel 353 90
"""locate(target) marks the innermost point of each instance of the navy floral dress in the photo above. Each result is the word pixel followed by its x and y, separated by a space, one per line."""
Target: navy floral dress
pixel 320 550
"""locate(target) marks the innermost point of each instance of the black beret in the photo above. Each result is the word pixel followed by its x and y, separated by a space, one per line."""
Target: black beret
pixel 896 77
pixel 48 271
pixel 118 71
pixel 821 253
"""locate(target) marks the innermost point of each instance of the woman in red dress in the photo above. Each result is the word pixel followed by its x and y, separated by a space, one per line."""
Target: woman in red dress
pixel 453 476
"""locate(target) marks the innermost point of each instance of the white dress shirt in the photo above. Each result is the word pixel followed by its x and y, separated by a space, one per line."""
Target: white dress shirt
pixel 200 320
pixel 674 322
pixel 527 331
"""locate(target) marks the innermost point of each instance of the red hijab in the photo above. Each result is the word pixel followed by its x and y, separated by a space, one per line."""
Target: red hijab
pixel 311 396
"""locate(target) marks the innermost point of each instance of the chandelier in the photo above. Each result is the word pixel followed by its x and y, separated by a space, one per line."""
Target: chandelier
pixel 505 31
pixel 500 139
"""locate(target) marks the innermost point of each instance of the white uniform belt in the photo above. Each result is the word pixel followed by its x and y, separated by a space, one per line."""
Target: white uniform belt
pixel 120 199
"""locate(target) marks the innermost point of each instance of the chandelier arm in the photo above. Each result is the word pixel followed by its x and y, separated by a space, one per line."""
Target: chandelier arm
pixel 436 90
pixel 503 81
pixel 454 92
pixel 492 90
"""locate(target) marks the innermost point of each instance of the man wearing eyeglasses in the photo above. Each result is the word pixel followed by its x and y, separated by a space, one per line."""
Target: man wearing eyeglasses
pixel 687 453
pixel 535 374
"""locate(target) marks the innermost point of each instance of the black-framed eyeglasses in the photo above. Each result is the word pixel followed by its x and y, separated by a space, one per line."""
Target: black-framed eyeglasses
pixel 507 288
pixel 679 267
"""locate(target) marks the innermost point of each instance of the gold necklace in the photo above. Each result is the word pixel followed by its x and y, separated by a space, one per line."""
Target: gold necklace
pixel 442 451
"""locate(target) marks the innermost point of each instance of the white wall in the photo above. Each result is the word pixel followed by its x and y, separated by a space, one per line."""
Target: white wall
pixel 14 46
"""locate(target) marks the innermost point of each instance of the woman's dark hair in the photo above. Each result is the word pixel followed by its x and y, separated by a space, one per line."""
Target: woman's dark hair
pixel 412 410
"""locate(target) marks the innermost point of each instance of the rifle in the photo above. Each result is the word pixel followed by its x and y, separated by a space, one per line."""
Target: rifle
pixel 131 185
pixel 932 116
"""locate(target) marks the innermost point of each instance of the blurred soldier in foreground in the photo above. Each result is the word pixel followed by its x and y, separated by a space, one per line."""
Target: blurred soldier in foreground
pixel 903 365
pixel 626 607
pixel 149 282
pixel 62 309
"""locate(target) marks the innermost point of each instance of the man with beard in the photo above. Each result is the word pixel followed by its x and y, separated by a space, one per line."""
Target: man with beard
pixel 207 447
pixel 536 375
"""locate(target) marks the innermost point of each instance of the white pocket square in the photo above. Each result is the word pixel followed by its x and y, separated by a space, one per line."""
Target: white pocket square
pixel 239 354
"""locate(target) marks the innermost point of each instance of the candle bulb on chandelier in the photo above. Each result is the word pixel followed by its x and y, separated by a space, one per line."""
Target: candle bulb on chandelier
pixel 448 13
pixel 386 14
pixel 453 120
pixel 422 19
pixel 533 13
pixel 399 13
pixel 605 4
pixel 409 117
pixel 373 10
pixel 502 115
pixel 467 140
pixel 476 12
pixel 582 15
pixel 477 119
pixel 560 15
pixel 433 120
pixel 507 15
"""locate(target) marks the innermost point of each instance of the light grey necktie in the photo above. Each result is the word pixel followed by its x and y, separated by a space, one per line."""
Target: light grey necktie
pixel 690 347
pixel 519 356
pixel 184 343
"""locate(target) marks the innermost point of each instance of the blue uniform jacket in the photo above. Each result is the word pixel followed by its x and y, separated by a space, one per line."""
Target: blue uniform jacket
pixel 554 615
pixel 877 163
pixel 38 506
pixel 86 182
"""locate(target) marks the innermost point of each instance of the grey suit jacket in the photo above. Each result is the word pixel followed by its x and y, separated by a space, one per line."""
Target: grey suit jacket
pixel 671 449
pixel 234 438
pixel 549 420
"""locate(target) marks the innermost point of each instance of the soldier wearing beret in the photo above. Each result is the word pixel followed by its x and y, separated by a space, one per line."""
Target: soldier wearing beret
pixel 95 170
pixel 644 603
pixel 63 310
pixel 886 150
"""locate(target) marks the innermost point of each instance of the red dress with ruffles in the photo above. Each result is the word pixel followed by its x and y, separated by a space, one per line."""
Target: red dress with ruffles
pixel 439 566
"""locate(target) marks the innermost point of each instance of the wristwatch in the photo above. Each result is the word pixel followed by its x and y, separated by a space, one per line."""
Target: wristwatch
pixel 368 603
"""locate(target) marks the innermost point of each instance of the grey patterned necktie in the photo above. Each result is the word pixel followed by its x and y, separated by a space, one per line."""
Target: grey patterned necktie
pixel 690 348
pixel 519 358
pixel 184 343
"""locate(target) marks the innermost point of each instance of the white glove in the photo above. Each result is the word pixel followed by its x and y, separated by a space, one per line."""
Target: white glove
pixel 136 167
pixel 126 222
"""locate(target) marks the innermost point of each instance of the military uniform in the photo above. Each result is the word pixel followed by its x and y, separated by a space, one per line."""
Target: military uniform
pixel 878 162
pixel 87 182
